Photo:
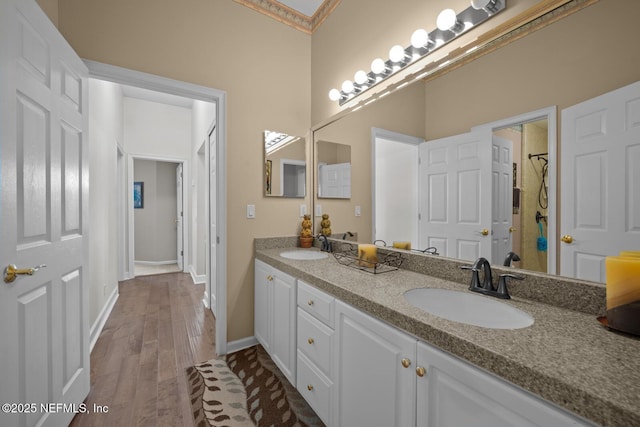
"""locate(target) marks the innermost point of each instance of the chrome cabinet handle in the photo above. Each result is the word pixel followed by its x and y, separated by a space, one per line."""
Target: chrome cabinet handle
pixel 11 272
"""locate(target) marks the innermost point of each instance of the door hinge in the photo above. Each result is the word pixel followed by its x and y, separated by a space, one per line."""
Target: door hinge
pixel 181 253
pixel 419 216
pixel 181 214
pixel 217 240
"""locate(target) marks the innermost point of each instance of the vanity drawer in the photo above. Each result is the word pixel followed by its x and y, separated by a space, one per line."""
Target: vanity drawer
pixel 316 302
pixel 315 340
pixel 314 387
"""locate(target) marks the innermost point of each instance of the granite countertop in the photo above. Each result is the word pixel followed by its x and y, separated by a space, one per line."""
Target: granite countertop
pixel 566 356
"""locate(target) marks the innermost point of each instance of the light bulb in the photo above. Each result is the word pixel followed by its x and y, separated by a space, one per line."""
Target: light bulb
pixel 396 54
pixel 361 77
pixel 347 86
pixel 419 38
pixel 378 66
pixel 488 6
pixel 446 19
pixel 334 94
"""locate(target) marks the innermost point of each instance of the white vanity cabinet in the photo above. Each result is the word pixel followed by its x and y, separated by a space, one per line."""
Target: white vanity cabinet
pixel 386 377
pixel 453 393
pixel 275 316
pixel 315 348
pixel 372 385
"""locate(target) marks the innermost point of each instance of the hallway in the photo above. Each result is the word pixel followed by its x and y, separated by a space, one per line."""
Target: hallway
pixel 156 330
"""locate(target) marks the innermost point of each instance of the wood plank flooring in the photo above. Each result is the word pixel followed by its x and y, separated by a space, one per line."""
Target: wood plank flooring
pixel 156 330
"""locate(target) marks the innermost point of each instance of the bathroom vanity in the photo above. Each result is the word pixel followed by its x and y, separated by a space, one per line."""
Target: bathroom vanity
pixel 361 354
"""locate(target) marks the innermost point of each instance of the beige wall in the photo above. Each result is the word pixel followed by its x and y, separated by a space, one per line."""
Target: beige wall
pixel 263 66
pixel 402 112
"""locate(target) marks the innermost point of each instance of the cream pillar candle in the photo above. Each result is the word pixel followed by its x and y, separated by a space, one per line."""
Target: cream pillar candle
pixel 367 255
pixel 402 245
pixel 623 293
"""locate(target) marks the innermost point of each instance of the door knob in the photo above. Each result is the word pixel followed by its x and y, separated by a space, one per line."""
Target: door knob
pixel 420 371
pixel 405 362
pixel 484 232
pixel 567 239
pixel 11 271
pixel 512 229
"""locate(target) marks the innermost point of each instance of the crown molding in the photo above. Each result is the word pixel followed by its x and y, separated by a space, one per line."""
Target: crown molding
pixel 291 17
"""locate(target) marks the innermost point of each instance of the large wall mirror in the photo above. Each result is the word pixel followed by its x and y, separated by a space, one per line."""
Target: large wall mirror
pixel 285 167
pixel 522 79
pixel 334 170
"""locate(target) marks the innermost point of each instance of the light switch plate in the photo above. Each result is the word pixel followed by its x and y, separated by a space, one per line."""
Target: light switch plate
pixel 251 211
pixel 358 211
pixel 318 210
pixel 303 210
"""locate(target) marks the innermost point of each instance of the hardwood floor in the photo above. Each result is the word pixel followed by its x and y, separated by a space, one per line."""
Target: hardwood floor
pixel 156 330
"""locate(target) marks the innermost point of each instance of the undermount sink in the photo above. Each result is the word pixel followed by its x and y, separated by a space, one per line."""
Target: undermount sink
pixel 468 308
pixel 304 255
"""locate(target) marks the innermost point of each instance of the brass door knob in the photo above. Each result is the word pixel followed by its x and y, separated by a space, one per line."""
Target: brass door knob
pixel 310 387
pixel 484 232
pixel 567 239
pixel 420 371
pixel 11 272
pixel 512 229
pixel 310 341
pixel 310 302
pixel 405 362
pixel 269 277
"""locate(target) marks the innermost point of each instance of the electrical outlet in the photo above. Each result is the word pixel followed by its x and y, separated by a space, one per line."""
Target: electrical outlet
pixel 318 210
pixel 303 210
pixel 358 211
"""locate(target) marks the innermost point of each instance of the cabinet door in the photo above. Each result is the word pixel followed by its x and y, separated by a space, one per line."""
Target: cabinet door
pixel 372 388
pixel 283 338
pixel 262 305
pixel 457 394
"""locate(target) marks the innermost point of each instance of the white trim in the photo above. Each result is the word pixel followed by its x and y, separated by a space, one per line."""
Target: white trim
pixel 378 133
pixel 551 114
pixel 98 325
pixel 241 344
pixel 125 76
pixel 197 278
pixel 173 261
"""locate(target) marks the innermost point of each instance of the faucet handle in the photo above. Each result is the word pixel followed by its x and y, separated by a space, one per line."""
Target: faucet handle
pixel 503 291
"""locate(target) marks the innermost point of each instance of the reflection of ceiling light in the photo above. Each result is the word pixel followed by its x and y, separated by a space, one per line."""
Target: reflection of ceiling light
pixel 274 141
pixel 449 26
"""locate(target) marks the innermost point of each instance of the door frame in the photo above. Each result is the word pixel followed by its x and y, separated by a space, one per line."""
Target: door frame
pixel 551 115
pixel 130 210
pixel 129 77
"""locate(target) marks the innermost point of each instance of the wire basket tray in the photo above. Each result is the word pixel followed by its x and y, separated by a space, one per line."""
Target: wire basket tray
pixel 386 262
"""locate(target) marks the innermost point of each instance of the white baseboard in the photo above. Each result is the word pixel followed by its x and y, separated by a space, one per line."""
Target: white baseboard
pixel 241 344
pixel 98 325
pixel 197 278
pixel 174 261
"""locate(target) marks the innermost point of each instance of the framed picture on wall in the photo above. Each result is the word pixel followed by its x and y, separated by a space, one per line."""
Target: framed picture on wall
pixel 138 195
pixel 268 177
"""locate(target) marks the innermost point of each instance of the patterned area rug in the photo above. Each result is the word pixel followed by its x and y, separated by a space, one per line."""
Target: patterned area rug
pixel 246 389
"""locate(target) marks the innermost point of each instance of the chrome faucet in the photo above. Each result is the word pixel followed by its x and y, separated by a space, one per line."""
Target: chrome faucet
pixel 487 287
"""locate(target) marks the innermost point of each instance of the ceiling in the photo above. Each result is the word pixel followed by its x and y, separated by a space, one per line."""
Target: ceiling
pixel 303 15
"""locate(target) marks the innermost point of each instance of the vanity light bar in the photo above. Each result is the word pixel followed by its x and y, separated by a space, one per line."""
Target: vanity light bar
pixel 449 27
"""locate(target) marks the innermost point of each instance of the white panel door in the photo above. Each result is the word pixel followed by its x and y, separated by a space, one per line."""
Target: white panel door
pixel 455 196
pixel 501 198
pixel 179 217
pixel 44 322
pixel 335 180
pixel 600 181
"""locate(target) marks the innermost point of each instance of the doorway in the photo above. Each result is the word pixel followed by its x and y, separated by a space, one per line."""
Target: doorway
pixel 157 216
pixel 197 93
pixel 533 187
